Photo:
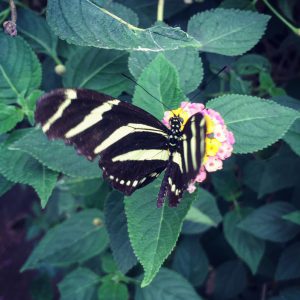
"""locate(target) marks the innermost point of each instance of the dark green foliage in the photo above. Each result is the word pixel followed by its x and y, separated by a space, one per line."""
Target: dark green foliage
pixel 237 236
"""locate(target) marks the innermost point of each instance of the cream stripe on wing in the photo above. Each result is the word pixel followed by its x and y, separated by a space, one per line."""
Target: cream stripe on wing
pixel 185 152
pixel 69 95
pixel 92 118
pixel 123 132
pixel 177 159
pixel 202 139
pixel 143 154
pixel 193 144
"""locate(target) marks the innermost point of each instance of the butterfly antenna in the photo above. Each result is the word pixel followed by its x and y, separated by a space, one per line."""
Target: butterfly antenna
pixel 212 78
pixel 131 79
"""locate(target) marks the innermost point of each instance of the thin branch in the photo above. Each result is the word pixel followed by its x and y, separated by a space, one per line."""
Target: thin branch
pixel 160 10
pixel 10 27
pixel 282 19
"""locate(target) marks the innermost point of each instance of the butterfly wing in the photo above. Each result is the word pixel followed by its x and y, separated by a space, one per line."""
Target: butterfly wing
pixel 132 144
pixel 185 163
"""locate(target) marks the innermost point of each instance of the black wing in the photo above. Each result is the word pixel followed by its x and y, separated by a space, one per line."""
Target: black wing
pixel 185 163
pixel 132 144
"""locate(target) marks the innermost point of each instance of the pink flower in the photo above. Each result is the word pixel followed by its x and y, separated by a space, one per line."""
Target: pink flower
pixel 218 140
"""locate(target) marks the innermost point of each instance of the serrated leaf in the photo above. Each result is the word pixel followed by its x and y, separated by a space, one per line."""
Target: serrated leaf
pixel 56 155
pixel 230 280
pixel 168 285
pixel 190 260
pixel 266 223
pixel 112 290
pixel 160 79
pixel 10 116
pixel 20 167
pixel 153 231
pixel 186 61
pixel 97 69
pixel 20 71
pixel 292 137
pixel 289 263
pixel 293 217
pixel 251 119
pixel 101 28
pixel 116 223
pixel 205 205
pixel 37 32
pixel 249 248
pixel 75 240
pixel 80 284
pixel 5 185
pixel 219 35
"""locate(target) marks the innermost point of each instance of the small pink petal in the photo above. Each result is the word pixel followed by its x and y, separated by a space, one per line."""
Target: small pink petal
pixel 191 188
pixel 230 137
pixel 220 133
pixel 213 164
pixel 225 151
pixel 201 175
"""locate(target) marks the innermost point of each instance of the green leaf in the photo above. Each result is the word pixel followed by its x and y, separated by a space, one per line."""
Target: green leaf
pixel 185 60
pixel 266 223
pixel 99 70
pixel 75 240
pixel 251 119
pixel 56 155
pixel 5 185
pixel 292 137
pixel 20 71
pixel 289 263
pixel 112 290
pixel 102 27
pixel 293 217
pixel 205 209
pixel 249 248
pixel 230 280
pixel 36 31
pixel 20 167
pixel 168 285
pixel 115 221
pixel 160 79
pixel 153 231
pixel 190 261
pixel 108 265
pixel 122 11
pixel 80 284
pixel 227 31
pixel 252 64
pixel 10 116
pixel 279 172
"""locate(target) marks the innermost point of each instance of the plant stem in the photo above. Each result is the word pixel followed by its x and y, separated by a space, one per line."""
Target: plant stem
pixel 10 27
pixel 282 19
pixel 160 10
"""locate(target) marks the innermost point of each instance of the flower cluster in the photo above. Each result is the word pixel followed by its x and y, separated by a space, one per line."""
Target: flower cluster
pixel 218 141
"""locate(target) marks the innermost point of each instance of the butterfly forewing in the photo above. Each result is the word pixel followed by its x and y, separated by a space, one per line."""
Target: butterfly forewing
pixel 132 144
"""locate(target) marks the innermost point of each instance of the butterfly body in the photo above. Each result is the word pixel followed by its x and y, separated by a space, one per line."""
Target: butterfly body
pixel 132 145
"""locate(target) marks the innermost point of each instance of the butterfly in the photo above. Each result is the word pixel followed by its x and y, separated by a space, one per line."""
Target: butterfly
pixel 133 146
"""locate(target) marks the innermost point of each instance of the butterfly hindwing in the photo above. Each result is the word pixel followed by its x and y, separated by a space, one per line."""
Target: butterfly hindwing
pixel 131 143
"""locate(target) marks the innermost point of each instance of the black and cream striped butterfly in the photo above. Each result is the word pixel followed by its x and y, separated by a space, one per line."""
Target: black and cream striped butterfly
pixel 134 147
